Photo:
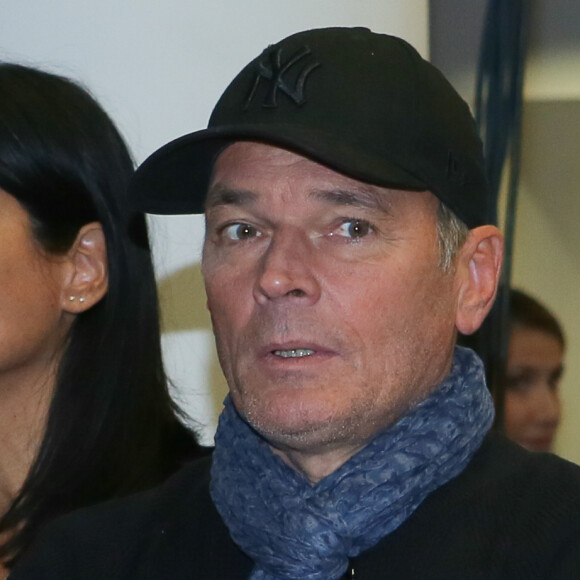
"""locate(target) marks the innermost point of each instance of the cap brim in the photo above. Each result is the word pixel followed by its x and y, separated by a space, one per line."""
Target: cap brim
pixel 175 179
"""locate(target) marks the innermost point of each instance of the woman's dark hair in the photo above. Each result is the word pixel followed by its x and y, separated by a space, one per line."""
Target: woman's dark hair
pixel 527 311
pixel 112 428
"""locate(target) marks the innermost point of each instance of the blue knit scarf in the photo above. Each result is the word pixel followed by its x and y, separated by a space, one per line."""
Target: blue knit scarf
pixel 293 530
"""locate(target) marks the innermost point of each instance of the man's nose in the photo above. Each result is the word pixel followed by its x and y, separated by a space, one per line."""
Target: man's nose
pixel 288 269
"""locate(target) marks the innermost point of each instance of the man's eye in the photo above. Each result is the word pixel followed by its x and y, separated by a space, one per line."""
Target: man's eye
pixel 238 232
pixel 354 229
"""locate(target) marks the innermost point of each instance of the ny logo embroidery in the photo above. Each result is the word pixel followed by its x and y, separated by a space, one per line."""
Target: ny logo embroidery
pixel 274 72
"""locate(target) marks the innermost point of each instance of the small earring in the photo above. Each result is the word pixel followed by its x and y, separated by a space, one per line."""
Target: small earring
pixel 72 298
pixel 82 299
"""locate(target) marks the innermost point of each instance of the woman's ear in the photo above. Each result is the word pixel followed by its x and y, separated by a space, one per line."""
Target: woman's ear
pixel 478 271
pixel 87 272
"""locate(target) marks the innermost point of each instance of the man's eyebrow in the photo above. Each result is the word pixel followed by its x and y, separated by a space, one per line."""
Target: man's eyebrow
pixel 361 198
pixel 221 195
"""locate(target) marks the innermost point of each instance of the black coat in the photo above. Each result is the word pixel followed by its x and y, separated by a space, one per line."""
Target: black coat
pixel 511 515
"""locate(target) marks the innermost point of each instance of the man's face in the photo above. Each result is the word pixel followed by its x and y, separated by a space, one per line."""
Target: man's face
pixel 331 314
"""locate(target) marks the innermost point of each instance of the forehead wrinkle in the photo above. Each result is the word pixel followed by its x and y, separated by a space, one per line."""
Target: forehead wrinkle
pixel 364 198
pixel 222 195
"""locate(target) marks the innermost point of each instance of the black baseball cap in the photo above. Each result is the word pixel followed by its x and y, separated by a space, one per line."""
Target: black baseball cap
pixel 366 105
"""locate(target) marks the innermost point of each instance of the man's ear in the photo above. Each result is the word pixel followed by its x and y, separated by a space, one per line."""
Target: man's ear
pixel 87 273
pixel 478 271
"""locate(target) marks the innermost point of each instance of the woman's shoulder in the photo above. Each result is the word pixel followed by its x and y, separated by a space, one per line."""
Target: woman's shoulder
pixel 188 485
pixel 92 541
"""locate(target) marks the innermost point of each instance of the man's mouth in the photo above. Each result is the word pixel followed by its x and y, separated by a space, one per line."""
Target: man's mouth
pixel 294 353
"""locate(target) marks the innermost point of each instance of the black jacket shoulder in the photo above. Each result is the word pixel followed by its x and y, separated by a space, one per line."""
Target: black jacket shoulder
pixel 511 514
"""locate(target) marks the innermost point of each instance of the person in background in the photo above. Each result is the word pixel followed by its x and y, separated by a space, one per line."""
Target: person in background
pixel 85 412
pixel 535 364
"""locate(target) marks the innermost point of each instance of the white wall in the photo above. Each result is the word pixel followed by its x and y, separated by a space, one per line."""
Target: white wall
pixel 158 67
